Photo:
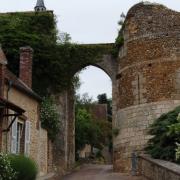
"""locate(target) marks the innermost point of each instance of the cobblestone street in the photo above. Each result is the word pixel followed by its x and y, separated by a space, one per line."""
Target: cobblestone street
pixel 98 172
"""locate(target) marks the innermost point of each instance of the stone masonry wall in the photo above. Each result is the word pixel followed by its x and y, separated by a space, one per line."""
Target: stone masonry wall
pixel 59 146
pixel 148 80
pixel 133 123
pixel 43 152
pixel 154 169
pixel 50 156
pixel 63 148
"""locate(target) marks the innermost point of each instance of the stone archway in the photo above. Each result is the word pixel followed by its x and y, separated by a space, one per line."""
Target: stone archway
pixel 64 146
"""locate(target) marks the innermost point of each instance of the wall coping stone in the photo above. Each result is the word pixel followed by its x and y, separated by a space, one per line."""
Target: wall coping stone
pixel 166 102
pixel 175 168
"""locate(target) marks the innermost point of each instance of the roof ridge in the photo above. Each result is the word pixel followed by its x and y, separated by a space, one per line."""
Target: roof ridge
pixel 17 82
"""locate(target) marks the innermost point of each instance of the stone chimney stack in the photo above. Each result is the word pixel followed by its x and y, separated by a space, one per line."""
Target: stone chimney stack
pixel 25 69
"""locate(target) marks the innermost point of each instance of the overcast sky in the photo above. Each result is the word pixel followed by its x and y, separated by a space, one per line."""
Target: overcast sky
pixel 87 21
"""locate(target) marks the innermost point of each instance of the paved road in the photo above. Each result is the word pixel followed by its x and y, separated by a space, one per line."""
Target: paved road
pixel 97 172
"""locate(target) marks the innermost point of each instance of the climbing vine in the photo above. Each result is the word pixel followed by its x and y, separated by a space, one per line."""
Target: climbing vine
pixel 54 63
pixel 49 117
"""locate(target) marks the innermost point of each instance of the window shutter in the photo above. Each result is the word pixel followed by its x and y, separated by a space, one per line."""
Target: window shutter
pixel 14 138
pixel 27 137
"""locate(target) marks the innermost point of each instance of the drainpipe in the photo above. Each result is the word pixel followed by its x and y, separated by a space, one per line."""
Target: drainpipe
pixel 134 162
pixel 9 88
pixel 6 111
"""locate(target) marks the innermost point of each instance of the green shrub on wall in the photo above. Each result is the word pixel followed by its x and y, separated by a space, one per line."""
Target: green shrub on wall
pixel 21 29
pixel 49 117
pixel 6 170
pixel 178 152
pixel 25 168
pixel 165 133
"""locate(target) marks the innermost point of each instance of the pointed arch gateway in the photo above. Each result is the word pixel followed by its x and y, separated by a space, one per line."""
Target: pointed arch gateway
pixel 106 63
pixel 65 103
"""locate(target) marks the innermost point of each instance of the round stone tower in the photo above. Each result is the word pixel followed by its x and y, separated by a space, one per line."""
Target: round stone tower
pixel 148 80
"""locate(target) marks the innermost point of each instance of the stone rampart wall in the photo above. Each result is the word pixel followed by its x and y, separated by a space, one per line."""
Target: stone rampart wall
pixel 154 169
pixel 133 124
pixel 148 77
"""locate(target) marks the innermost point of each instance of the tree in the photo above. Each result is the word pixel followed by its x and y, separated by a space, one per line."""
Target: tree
pixel 82 128
pixel 85 132
pixel 83 101
pixel 89 131
pixel 102 98
pixel 64 38
pixel 165 133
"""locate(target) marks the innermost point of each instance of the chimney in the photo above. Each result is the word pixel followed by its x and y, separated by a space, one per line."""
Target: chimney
pixel 25 69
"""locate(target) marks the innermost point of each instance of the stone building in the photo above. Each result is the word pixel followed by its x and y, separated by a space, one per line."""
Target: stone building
pixel 99 111
pixel 148 76
pixel 20 129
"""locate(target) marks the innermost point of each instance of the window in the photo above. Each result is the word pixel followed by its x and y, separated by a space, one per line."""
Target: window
pixel 20 139
pixel 27 138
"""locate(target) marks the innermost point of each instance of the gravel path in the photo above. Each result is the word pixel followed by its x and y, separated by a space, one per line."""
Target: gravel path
pixel 97 172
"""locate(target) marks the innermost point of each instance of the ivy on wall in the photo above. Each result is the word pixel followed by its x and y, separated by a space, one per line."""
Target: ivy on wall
pixel 54 64
pixel 119 42
pixel 49 117
pixel 23 29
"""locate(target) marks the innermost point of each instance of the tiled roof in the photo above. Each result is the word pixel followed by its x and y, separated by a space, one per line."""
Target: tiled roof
pixel 9 105
pixel 20 85
pixel 3 59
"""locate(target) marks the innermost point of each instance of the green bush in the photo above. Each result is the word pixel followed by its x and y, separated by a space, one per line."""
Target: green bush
pixel 25 167
pixel 99 154
pixel 6 170
pixel 165 133
pixel 49 117
pixel 178 152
